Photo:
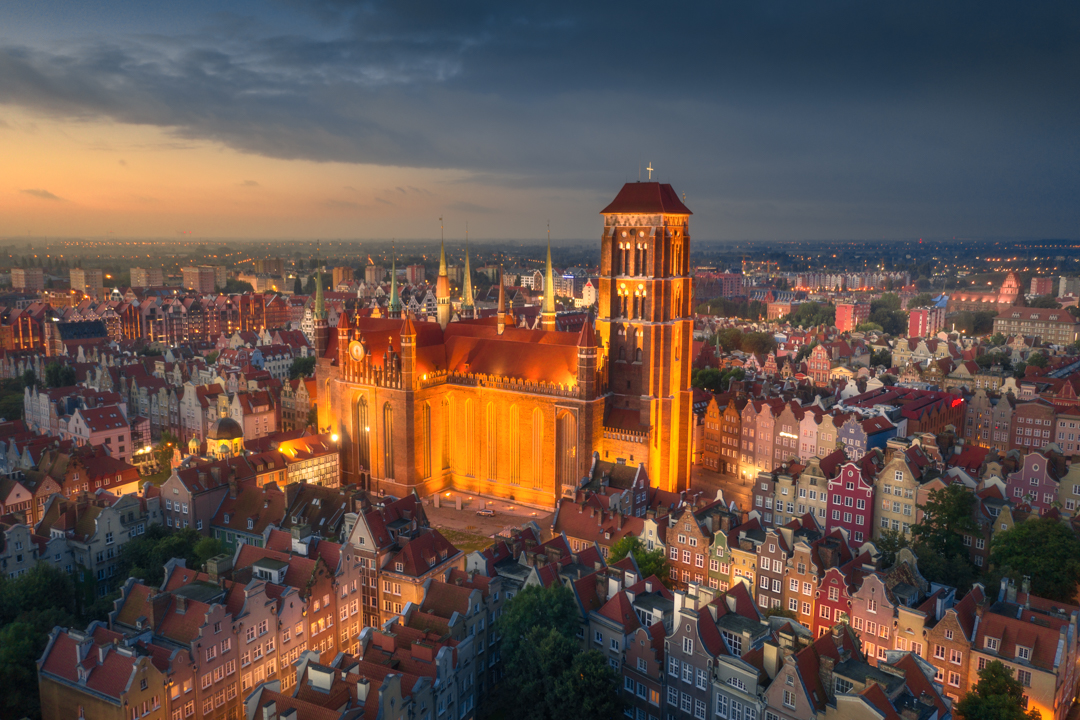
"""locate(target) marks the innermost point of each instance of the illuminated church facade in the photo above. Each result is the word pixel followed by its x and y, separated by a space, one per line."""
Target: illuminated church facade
pixel 484 406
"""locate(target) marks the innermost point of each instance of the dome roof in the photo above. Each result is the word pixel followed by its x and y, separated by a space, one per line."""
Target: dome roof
pixel 225 429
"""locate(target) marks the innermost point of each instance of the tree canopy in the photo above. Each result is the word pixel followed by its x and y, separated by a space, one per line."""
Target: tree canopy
pixel 1043 550
pixel 921 300
pixel 1044 301
pixel 57 375
pixel 547 675
pixel 812 313
pixel 302 366
pixel 997 696
pixel 948 516
pixel 145 556
pixel 714 380
pixel 649 562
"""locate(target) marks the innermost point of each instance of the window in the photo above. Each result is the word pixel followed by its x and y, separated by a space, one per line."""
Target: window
pixel 843 686
pixel 688 645
pixel 991 643
pixel 1023 653
pixel 954 679
pixel 1024 677
pixel 789 699
pixel 956 657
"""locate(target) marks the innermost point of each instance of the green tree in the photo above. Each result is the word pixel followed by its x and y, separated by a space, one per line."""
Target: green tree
pixel 812 313
pixel 997 696
pixel 920 300
pixel 29 378
pixel 145 556
pixel 212 357
pixel 298 287
pixel 804 351
pixel 889 543
pixel 1043 550
pixel 881 357
pixel 868 326
pixel 236 287
pixel 948 516
pixel 758 342
pixel 302 366
pixel 649 562
pixel 888 301
pixel 547 676
pixel 706 379
pixel 11 407
pixel 997 339
pixel 313 417
pixel 57 375
pixel 1044 301
pixel 1037 360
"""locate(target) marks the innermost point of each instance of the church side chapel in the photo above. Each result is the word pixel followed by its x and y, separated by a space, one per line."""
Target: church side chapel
pixel 483 405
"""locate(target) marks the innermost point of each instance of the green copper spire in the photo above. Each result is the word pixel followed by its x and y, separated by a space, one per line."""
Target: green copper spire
pixel 395 301
pixel 320 303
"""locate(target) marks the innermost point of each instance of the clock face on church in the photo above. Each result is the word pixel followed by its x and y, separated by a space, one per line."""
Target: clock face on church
pixel 356 350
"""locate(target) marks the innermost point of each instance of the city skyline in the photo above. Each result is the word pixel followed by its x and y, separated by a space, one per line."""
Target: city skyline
pixel 282 120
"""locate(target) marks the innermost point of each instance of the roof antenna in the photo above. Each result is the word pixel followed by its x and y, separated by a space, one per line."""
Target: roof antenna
pixel 639 171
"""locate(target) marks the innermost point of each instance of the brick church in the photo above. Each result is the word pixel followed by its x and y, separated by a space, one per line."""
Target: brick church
pixel 481 405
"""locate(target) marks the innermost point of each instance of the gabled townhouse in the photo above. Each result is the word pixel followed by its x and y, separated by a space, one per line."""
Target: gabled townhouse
pixel 949 641
pixel 192 495
pixel 851 499
pixel 1036 639
pixel 1036 482
pixel 98 674
pixel 814 486
pixel 643 672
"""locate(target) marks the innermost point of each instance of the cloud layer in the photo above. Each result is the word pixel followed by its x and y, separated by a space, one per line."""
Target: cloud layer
pixel 844 118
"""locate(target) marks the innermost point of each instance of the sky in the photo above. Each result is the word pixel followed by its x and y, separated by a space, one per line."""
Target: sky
pixel 779 120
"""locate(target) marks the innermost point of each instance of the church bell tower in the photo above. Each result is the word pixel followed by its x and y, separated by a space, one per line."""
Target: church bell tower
pixel 645 326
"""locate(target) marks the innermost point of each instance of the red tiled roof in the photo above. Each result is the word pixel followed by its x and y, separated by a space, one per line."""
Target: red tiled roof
pixel 647 197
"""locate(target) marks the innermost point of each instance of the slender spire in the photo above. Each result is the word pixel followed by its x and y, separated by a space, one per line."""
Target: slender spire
pixel 320 302
pixel 547 312
pixel 395 302
pixel 467 291
pixel 549 279
pixel 442 250
pixel 501 317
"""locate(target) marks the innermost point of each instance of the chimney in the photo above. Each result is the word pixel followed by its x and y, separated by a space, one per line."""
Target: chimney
pixel 773 659
pixel 1025 587
pixel 181 604
pixel 269 711
pixel 1010 591
pixel 614 585
pixel 601 587
pixel 232 487
pixel 825 672
pixel 363 685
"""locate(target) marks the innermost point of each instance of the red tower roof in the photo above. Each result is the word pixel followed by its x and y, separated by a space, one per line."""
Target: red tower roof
pixel 647 197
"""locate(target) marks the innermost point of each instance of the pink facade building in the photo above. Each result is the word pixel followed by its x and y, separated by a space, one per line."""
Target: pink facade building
pixel 851 503
pixel 925 322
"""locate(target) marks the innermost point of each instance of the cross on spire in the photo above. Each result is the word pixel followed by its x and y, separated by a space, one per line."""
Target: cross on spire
pixel 650 169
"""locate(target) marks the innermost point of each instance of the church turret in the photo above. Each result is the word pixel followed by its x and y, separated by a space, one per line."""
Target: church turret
pixel 467 301
pixel 408 352
pixel 442 288
pixel 394 306
pixel 343 331
pixel 322 327
pixel 547 315
pixel 501 322
pixel 586 369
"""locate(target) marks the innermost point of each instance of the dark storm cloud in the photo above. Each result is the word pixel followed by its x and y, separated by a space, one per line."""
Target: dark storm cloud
pixel 864 117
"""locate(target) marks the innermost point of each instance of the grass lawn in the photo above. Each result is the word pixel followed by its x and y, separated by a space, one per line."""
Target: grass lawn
pixel 158 477
pixel 466 542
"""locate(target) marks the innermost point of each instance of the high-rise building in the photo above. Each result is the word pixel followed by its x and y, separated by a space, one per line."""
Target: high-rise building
pixel 415 274
pixel 521 412
pixel 90 282
pixel 201 279
pixel 340 275
pixel 1042 286
pixel 374 273
pixel 221 275
pixel 850 315
pixel 1068 286
pixel 147 277
pixel 270 266
pixel 925 322
pixel 28 279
